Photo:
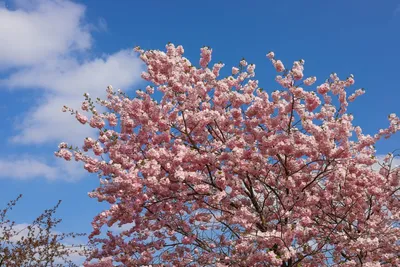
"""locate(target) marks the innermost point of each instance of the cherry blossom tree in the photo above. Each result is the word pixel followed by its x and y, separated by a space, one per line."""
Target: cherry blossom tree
pixel 36 244
pixel 219 172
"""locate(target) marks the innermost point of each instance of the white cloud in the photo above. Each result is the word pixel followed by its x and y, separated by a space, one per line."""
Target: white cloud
pixel 68 77
pixel 30 167
pixel 41 29
pixel 44 51
pixel 46 123
pixel 65 86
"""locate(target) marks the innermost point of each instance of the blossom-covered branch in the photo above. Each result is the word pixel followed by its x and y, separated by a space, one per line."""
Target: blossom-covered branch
pixel 219 172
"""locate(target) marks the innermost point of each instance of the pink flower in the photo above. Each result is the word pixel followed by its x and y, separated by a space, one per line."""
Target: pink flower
pixel 323 88
pixel 96 122
pixel 91 168
pixel 356 94
pixel 97 149
pixel 89 142
pixel 297 74
pixel 104 262
pixel 261 177
pixel 64 153
pixel 85 105
pixel 63 145
pixel 278 65
pixel 251 68
pixel 310 81
pixel 297 70
pixel 350 80
pixel 180 50
pixel 112 119
pixel 78 156
pixel 205 56
pixel 271 55
pixel 81 118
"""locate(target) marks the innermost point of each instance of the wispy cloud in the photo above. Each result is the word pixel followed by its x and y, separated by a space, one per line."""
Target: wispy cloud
pixel 28 167
pixel 48 48
pixel 41 29
pixel 65 82
pixel 102 24
pixel 396 10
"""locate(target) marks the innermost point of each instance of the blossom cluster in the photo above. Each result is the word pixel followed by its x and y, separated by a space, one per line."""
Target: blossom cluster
pixel 220 172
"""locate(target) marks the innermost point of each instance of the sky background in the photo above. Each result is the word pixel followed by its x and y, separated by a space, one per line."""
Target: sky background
pixel 51 52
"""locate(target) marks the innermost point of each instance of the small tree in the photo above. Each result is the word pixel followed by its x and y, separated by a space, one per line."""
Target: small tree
pixel 35 244
pixel 221 173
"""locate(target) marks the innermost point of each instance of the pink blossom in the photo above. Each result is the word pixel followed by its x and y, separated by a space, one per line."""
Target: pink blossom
pixel 81 118
pixel 78 156
pixel 104 262
pixel 64 153
pixel 96 122
pixel 205 57
pixel 278 66
pixel 150 89
pixel 235 70
pixel 220 172
pixel 112 119
pixel 310 81
pixel 350 80
pixel 63 145
pixel 217 67
pixel 271 55
pixel 297 70
pixel 85 105
pixel 356 94
pixel 251 68
pixel 323 88
pixel 243 63
pixel 97 149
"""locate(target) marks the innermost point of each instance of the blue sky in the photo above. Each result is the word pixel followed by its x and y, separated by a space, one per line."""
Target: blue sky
pixel 52 52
